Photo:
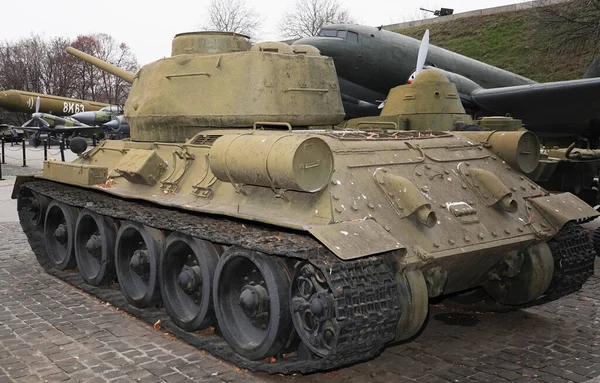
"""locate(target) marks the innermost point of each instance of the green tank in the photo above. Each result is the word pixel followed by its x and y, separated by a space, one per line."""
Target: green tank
pixel 278 241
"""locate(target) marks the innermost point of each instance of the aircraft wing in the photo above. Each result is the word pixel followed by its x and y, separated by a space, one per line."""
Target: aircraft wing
pixel 33 129
pixel 543 103
pixel 71 129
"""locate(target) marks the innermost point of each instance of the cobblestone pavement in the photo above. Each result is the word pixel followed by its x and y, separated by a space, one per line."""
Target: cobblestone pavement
pixel 50 331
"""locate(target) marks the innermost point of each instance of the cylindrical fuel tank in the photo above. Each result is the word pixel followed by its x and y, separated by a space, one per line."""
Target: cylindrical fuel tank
pixel 289 161
pixel 520 150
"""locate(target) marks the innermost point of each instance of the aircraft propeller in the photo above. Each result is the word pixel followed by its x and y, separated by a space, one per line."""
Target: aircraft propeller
pixel 37 116
pixel 421 57
pixel 423 48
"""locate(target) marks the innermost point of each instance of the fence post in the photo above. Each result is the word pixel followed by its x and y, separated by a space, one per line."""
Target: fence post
pixel 3 160
pixel 45 150
pixel 24 156
pixel 62 149
pixel 1 179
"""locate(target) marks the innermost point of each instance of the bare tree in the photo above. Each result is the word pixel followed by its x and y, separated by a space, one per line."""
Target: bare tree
pixel 96 84
pixel 35 65
pixel 309 16
pixel 22 64
pixel 232 16
pixel 574 25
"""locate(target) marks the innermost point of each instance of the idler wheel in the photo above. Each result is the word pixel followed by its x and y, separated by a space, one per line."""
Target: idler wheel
pixel 137 258
pixel 95 238
pixel 186 274
pixel 59 229
pixel 530 283
pixel 313 310
pixel 414 304
pixel 34 205
pixel 251 302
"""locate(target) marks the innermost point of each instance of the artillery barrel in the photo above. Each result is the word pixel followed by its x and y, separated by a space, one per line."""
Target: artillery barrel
pixel 110 68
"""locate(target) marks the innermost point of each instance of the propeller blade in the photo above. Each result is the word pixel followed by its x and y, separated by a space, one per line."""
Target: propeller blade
pixel 38 118
pixel 423 48
pixel 26 124
pixel 37 104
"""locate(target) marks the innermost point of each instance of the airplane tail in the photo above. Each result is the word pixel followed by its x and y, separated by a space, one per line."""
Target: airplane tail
pixel 594 69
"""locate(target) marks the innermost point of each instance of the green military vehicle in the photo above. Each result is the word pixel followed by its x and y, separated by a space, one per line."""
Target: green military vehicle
pixel 279 243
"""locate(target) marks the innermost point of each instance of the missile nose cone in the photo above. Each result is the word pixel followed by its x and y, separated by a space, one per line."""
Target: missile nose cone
pixel 112 124
pixel 88 118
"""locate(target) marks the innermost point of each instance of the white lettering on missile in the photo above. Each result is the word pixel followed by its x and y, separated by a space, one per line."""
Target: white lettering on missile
pixel 72 107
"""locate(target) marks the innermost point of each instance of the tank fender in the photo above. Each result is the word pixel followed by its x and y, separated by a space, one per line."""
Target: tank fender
pixel 405 197
pixel 20 180
pixel 561 208
pixel 355 239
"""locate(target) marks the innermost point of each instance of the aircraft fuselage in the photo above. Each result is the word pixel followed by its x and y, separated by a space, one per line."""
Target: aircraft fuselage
pixel 379 60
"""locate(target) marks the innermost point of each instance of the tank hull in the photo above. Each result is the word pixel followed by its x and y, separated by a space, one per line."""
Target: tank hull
pixel 346 236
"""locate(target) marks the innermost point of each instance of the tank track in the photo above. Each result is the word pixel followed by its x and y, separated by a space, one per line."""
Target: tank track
pixel 596 241
pixel 364 290
pixel 574 257
pixel 374 309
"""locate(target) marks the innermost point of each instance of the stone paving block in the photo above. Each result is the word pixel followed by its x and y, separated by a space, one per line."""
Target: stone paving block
pixel 175 378
pixel 149 379
pixel 83 375
pixel 94 380
pixel 59 377
pixel 113 374
pixel 51 331
pixel 551 379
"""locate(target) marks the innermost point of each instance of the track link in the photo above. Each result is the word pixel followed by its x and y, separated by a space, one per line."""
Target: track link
pixel 574 257
pixel 364 290
pixel 596 241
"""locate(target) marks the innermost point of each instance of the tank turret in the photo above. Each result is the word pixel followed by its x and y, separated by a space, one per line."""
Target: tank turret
pixel 214 80
pixel 430 102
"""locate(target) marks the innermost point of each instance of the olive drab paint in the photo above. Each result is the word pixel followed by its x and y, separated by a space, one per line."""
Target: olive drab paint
pixel 217 149
pixel 187 89
pixel 224 130
pixel 21 101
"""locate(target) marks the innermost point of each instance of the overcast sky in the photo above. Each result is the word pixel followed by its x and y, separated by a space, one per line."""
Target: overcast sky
pixel 148 26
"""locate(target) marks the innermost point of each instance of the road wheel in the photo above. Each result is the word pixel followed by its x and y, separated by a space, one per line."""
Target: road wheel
pixel 137 258
pixel 414 303
pixel 95 238
pixel 251 302
pixel 187 269
pixel 530 283
pixel 59 227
